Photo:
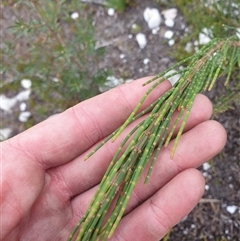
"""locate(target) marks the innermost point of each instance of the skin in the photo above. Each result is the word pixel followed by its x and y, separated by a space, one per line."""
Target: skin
pixel 46 185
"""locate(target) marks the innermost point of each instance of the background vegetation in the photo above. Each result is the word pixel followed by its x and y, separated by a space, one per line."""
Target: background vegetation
pixel 52 43
pixel 57 51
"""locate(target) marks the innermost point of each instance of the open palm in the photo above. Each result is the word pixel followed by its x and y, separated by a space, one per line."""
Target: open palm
pixel 46 185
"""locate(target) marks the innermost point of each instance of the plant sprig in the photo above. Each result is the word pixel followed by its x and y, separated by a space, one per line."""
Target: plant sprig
pixel 143 144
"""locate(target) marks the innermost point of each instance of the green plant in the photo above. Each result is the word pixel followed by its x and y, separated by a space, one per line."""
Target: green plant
pixel 210 15
pixel 53 46
pixel 143 144
pixel 214 19
pixel 167 236
pixel 116 4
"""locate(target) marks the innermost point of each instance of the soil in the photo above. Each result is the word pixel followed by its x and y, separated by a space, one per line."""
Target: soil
pixel 211 219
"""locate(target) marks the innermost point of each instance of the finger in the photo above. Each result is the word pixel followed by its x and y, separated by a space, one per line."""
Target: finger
pixel 201 111
pixel 153 219
pixel 196 146
pixel 80 175
pixel 65 136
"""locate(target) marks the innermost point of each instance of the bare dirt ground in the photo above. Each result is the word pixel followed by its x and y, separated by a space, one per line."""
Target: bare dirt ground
pixel 217 216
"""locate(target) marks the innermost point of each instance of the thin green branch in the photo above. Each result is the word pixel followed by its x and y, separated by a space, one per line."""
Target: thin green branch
pixel 142 145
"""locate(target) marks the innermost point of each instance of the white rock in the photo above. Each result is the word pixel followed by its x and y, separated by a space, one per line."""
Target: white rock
pixel 146 61
pixel 134 26
pixel 235 5
pixel 171 42
pixel 23 95
pixel 23 106
pixel 75 15
pixel 203 39
pixel 205 36
pixel 169 22
pixel 155 30
pixel 23 116
pixel 141 40
pixel 205 174
pixel 207 31
pixel 26 83
pixel 196 43
pixel 206 166
pixel 111 82
pixel 174 79
pixel 122 56
pixel 168 34
pixel 193 225
pixel 207 187
pixel 170 13
pixel 5 133
pixel 238 33
pixel 231 209
pixel 111 11
pixel 54 79
pixel 7 104
pixel 152 17
pixel 188 47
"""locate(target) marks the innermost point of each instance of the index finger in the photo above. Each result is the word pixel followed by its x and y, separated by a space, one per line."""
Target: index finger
pixel 64 137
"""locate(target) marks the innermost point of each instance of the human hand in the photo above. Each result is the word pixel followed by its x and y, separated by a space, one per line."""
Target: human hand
pixel 46 185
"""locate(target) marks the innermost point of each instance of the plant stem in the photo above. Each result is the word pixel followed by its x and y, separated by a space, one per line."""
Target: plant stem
pixel 143 144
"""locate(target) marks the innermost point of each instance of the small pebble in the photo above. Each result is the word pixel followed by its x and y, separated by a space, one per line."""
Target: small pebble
pixel 152 17
pixel 203 39
pixel 168 34
pixel 141 40
pixel 54 79
pixel 231 209
pixel 205 174
pixel 23 106
pixel 188 47
pixel 171 42
pixel 173 80
pixel 207 187
pixel 26 83
pixel 111 11
pixel 23 116
pixel 5 133
pixel 170 13
pixel 146 61
pixel 238 32
pixel 155 30
pixel 134 26
pixel 206 166
pixel 205 36
pixel 169 23
pixel 75 15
